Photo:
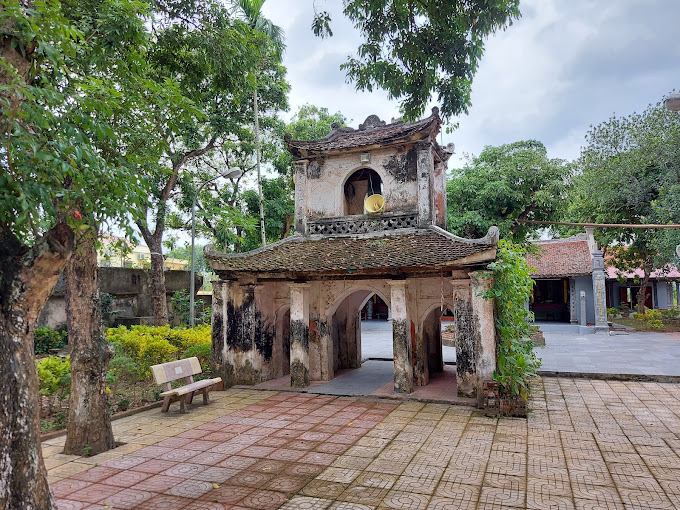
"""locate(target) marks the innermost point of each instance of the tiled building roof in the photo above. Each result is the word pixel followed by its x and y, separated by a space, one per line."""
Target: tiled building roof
pixel 561 259
pixel 388 252
pixel 371 133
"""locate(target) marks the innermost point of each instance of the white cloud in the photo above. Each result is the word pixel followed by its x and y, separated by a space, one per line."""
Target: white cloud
pixel 560 68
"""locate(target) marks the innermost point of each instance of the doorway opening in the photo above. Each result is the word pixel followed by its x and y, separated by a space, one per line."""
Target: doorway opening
pixel 361 184
pixel 550 300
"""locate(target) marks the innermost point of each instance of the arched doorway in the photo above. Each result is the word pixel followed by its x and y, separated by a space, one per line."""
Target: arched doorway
pixel 345 322
pixel 361 184
pixel 432 352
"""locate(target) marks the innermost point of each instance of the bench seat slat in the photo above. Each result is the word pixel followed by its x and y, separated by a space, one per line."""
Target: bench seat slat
pixel 183 390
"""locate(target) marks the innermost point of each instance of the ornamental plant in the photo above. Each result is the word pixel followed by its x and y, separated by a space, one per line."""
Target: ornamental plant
pixel 512 286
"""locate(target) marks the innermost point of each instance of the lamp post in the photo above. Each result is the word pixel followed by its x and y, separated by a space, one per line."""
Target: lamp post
pixel 232 173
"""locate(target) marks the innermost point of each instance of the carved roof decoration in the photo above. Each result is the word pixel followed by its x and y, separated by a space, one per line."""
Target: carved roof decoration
pixel 373 132
pixel 393 252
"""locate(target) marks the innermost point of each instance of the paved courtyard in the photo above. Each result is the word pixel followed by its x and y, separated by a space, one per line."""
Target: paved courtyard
pixel 587 444
pixel 632 354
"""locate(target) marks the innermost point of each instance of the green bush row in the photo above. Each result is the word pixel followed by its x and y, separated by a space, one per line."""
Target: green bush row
pixel 151 345
pixel 46 339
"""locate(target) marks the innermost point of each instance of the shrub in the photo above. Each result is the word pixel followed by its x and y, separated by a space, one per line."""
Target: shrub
pixel 149 345
pixel 202 352
pixel 612 312
pixel 54 374
pixel 47 338
pixel 512 285
pixel 181 305
pixel 123 368
pixel 653 318
pixel 670 314
pixel 154 352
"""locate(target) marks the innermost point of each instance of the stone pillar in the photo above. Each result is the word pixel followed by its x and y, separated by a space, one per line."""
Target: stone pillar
pixel 401 337
pixel 572 301
pixel 677 294
pixel 301 196
pixel 466 341
pixel 599 296
pixel 583 311
pixel 219 330
pixel 425 168
pixel 439 194
pixel 299 335
pixel 485 323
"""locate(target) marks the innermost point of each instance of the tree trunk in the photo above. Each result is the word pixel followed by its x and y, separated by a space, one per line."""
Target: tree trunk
pixel 89 429
pixel 157 272
pixel 27 278
pixel 642 292
pixel 257 161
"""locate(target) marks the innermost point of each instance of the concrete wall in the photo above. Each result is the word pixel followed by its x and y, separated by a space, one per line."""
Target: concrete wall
pixel 131 289
pixel 585 283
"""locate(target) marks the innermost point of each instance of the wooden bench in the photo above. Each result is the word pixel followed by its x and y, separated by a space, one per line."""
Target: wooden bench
pixel 185 369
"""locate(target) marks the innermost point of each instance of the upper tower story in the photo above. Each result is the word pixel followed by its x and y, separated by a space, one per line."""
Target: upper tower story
pixel 377 177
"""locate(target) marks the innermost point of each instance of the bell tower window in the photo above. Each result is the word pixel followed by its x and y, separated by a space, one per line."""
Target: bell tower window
pixel 361 184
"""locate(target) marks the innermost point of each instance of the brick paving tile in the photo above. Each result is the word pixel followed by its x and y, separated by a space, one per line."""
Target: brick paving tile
pixel 153 466
pixel 287 484
pixel 586 444
pixel 184 470
pixel 96 474
pixel 128 498
pixel 126 478
pixel 67 504
pixel 264 500
pixel 323 489
pixel 226 494
pixel 237 462
pixel 363 495
pixel 307 503
pixel 439 503
pixel 215 474
pixel 164 502
pixel 158 483
pixel 93 493
pixel 63 488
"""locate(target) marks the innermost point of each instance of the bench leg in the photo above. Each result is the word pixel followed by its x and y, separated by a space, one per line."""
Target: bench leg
pixel 191 397
pixel 166 405
pixel 183 404
pixel 206 400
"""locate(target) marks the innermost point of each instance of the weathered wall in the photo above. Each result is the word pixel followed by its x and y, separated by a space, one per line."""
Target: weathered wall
pixel 131 289
pixel 324 193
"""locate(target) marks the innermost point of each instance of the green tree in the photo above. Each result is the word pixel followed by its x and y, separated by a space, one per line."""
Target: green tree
pixel 503 184
pixel 630 174
pixel 309 123
pixel 252 13
pixel 411 49
pixel 56 176
pixel 212 56
pixel 279 207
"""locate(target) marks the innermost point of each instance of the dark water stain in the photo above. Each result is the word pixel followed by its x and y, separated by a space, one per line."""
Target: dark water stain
pixel 403 167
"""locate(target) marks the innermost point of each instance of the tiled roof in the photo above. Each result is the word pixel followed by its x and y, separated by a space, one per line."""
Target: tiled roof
pixel 372 132
pixel 669 271
pixel 414 249
pixel 561 259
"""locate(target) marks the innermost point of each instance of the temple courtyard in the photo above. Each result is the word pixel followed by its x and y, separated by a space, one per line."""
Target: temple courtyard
pixel 586 444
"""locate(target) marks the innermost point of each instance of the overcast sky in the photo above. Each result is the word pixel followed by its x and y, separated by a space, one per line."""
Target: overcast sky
pixel 562 67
